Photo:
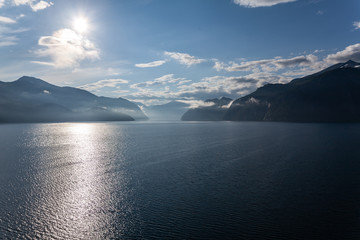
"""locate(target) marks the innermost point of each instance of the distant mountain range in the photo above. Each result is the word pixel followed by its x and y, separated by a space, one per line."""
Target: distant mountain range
pixel 30 99
pixel 331 95
pixel 215 112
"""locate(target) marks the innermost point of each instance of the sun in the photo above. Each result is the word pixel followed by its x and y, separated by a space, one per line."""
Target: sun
pixel 80 24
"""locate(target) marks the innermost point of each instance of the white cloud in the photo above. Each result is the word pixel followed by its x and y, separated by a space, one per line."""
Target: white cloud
pixel 40 5
pixel 260 3
pixel 150 64
pixel 218 86
pixel 104 83
pixel 20 16
pixel 22 2
pixel 351 52
pixel 66 48
pixel 34 4
pixel 218 66
pixel 6 20
pixel 356 25
pixel 2 3
pixel 184 58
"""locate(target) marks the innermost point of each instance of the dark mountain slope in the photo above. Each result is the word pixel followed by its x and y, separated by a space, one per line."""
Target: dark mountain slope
pixel 331 95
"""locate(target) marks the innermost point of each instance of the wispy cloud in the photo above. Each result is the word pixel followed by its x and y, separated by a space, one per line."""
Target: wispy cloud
pixel 8 41
pixel 184 58
pixel 356 25
pixel 2 3
pixel 166 79
pixel 8 36
pixel 6 20
pixel 150 64
pixel 269 65
pixel 104 83
pixel 120 91
pixel 66 48
pixel 260 3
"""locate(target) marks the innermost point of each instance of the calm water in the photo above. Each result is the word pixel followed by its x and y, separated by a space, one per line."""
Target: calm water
pixel 178 180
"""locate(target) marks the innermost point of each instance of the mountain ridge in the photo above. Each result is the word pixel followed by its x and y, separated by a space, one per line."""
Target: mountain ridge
pixel 30 99
pixel 326 96
pixel 330 95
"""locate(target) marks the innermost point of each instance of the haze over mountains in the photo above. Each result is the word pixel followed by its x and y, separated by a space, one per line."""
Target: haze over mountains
pixel 30 99
pixel 214 112
pixel 169 111
pixel 331 95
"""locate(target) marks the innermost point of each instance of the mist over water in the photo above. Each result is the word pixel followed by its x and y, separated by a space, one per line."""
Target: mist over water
pixel 202 180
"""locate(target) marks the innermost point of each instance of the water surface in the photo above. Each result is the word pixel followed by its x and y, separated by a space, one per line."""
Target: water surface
pixel 182 180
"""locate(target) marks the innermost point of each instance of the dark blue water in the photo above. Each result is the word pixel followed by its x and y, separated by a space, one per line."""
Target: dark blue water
pixel 209 180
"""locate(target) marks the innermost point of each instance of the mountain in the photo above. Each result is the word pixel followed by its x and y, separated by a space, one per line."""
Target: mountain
pixel 331 95
pixel 30 99
pixel 214 112
pixel 169 111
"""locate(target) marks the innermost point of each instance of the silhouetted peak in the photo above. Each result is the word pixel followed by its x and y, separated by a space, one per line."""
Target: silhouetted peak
pixel 32 80
pixel 225 99
pixel 351 62
pixel 29 79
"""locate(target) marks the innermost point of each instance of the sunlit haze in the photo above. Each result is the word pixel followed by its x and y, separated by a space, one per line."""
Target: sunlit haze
pixel 80 24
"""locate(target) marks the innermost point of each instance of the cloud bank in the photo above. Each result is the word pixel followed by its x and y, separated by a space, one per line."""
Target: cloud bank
pixel 253 74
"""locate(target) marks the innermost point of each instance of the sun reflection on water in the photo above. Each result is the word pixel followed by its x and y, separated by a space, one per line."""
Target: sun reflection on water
pixel 79 198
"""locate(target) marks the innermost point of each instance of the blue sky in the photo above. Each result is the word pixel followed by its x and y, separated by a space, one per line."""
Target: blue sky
pixel 156 51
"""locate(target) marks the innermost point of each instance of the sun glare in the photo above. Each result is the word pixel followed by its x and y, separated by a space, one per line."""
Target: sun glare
pixel 80 25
